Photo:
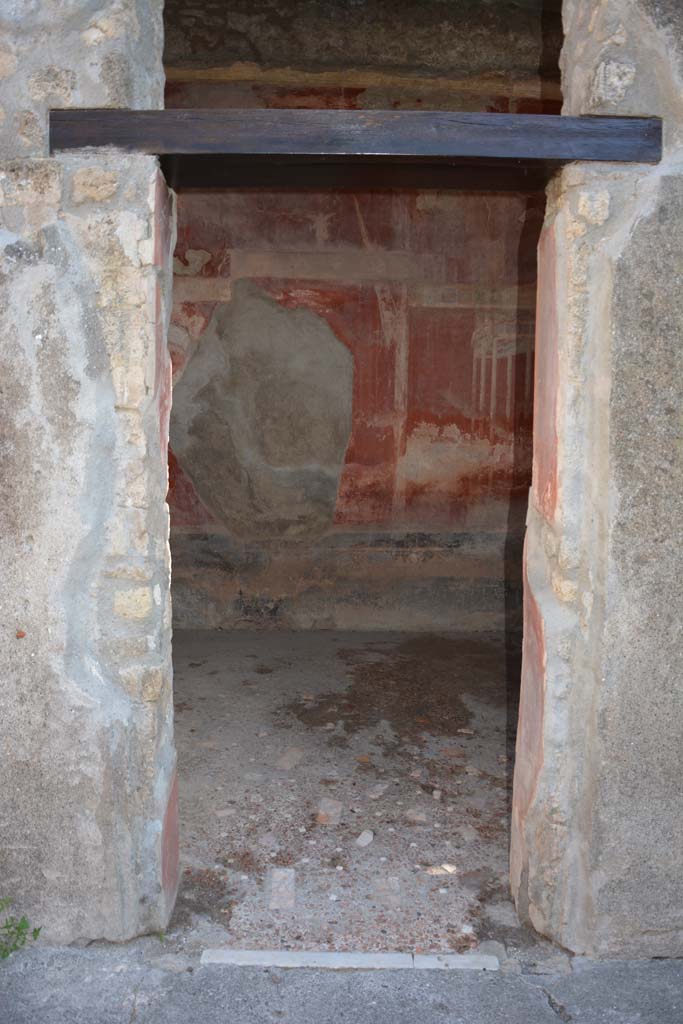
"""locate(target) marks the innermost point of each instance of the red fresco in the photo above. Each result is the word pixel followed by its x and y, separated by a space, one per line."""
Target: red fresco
pixel 170 855
pixel 546 382
pixel 312 98
pixel 424 288
pixel 185 504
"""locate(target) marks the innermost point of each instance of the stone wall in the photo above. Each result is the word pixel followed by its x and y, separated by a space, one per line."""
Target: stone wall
pixel 87 808
pixel 269 51
pixel 74 53
pixel 597 848
pixel 415 520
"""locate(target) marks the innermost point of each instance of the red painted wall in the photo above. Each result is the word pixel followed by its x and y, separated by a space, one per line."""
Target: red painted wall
pixel 547 381
pixel 432 292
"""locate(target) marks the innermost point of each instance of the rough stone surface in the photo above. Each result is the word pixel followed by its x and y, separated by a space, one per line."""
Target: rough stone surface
pixel 436 36
pixel 597 847
pixel 625 57
pixel 150 985
pixel 84 53
pixel 262 417
pixel 88 808
pixel 641 706
pixel 86 715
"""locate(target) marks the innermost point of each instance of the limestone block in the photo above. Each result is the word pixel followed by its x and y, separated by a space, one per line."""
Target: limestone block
pixel 127 533
pixel 146 682
pixel 134 572
pixel 133 604
pixel 130 385
pixel 93 185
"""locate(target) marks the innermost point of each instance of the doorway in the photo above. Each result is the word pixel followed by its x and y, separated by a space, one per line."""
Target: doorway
pixel 350 454
pixel 349 466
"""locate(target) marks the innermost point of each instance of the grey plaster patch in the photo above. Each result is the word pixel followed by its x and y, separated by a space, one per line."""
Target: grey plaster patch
pixel 262 417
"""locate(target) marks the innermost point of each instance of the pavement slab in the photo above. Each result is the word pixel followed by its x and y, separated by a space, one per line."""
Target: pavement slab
pixel 135 984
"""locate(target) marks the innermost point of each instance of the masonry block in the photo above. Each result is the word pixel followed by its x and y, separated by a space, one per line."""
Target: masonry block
pixel 86 713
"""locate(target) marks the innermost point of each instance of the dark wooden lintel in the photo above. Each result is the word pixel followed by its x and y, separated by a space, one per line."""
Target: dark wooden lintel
pixel 355 149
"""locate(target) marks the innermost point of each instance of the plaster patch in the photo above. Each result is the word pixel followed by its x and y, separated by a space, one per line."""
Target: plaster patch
pixel 612 80
pixel 8 64
pixel 269 463
pixel 594 206
pixel 191 263
pixel 52 83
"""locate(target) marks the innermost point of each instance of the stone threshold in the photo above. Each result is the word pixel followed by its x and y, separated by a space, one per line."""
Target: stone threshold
pixel 350 961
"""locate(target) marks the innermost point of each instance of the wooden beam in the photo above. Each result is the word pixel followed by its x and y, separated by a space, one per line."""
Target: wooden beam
pixel 361 136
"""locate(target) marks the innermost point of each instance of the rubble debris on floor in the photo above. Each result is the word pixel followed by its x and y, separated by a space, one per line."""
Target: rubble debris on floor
pixel 345 791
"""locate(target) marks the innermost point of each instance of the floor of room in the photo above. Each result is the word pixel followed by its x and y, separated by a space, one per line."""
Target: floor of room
pixel 345 791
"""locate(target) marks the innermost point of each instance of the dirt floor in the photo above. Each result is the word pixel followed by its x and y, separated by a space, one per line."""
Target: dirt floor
pixel 345 791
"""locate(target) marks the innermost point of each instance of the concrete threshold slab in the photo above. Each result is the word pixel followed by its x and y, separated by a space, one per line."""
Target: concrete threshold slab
pixel 350 961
